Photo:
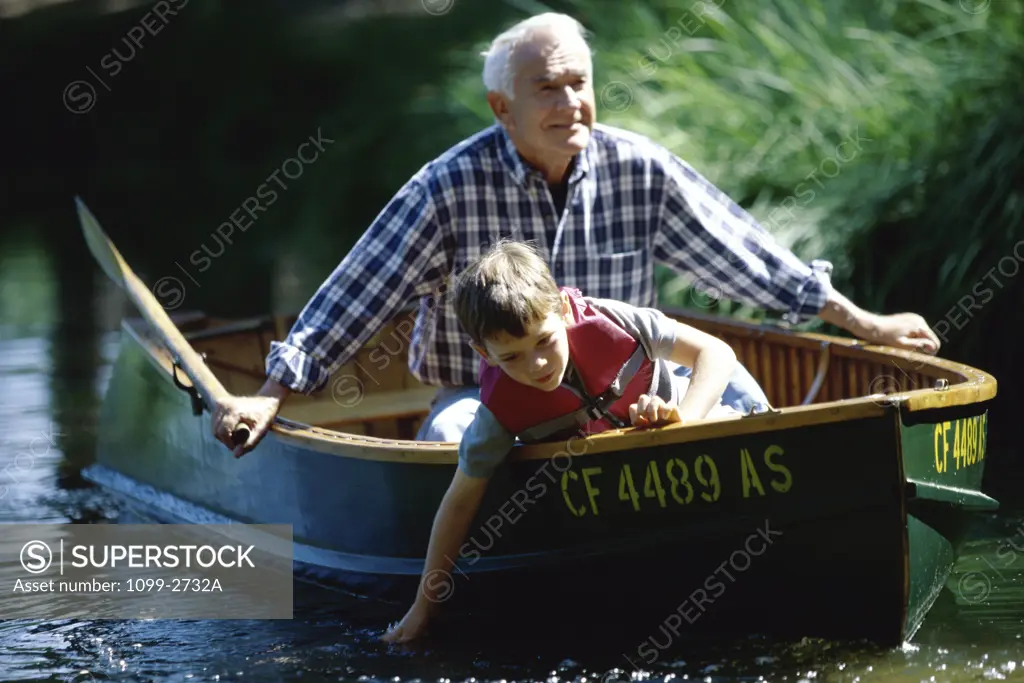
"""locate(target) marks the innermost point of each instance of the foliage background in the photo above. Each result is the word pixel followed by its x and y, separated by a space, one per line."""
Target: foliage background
pixel 756 94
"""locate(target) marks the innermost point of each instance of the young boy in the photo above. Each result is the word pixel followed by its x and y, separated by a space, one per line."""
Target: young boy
pixel 556 363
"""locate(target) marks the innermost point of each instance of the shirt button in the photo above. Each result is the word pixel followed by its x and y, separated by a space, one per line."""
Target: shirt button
pixel 558 268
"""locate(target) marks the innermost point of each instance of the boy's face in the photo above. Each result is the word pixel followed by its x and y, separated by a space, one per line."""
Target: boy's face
pixel 540 357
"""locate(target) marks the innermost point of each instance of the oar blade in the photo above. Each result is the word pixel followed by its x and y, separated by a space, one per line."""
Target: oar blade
pixel 112 263
pixel 99 244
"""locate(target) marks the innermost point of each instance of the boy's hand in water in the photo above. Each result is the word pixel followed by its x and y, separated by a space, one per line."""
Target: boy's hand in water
pixel 412 626
pixel 650 411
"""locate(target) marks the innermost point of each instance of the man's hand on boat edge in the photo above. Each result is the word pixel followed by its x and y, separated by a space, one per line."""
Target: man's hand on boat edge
pixel 907 331
pixel 256 412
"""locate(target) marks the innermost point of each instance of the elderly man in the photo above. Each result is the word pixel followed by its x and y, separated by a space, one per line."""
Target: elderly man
pixel 602 204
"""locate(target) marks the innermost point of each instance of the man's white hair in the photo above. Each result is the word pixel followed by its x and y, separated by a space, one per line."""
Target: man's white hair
pixel 498 74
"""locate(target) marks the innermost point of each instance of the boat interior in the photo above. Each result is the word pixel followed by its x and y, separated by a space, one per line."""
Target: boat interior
pixel 375 395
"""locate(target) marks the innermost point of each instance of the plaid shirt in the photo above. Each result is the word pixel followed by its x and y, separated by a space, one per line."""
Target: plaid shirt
pixel 630 204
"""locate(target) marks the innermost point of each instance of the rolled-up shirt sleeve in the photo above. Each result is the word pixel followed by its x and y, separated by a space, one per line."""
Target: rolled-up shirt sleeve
pixel 484 445
pixel 706 234
pixel 398 257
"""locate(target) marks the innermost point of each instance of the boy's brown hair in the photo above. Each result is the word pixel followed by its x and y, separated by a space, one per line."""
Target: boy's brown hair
pixel 507 288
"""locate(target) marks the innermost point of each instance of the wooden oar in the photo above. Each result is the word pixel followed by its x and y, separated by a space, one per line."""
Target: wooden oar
pixel 110 260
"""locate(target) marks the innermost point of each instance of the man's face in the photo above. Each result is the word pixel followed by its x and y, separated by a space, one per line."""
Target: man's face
pixel 540 357
pixel 552 112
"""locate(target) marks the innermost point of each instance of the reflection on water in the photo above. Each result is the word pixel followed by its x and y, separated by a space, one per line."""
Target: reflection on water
pixel 57 341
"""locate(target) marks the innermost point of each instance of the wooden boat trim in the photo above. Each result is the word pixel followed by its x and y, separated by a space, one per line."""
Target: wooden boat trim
pixel 373 448
pixel 979 386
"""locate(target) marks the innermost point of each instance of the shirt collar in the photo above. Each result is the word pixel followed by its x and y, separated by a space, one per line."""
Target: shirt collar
pixel 521 172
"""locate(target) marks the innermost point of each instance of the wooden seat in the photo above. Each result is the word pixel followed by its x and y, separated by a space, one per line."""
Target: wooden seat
pixel 384 405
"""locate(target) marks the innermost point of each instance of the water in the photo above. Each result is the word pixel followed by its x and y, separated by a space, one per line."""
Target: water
pixel 57 340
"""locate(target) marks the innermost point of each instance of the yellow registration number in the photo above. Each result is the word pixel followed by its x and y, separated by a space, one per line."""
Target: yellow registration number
pixel 960 441
pixel 676 481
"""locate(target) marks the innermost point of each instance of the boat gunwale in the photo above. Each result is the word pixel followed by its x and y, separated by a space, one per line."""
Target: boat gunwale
pixel 978 387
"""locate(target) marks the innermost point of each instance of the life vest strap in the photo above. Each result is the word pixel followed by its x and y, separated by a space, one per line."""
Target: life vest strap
pixel 628 371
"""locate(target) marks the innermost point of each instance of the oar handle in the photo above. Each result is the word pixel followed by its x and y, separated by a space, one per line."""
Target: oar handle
pixel 240 435
pixel 216 391
pixel 204 389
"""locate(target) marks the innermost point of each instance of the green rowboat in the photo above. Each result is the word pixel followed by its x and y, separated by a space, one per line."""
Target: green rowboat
pixel 837 514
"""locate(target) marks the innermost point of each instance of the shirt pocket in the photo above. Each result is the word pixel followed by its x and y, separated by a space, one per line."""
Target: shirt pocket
pixel 626 276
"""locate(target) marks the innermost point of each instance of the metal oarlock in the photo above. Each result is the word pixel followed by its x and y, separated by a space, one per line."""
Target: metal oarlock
pixel 765 410
pixel 197 400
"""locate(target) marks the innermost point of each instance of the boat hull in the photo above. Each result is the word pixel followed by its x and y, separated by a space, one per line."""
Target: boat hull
pixel 835 529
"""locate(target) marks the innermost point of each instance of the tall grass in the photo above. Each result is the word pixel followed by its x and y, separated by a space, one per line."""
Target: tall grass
pixel 759 95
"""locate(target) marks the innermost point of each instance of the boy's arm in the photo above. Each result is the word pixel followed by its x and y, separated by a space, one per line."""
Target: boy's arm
pixel 457 510
pixel 713 362
pixel 484 445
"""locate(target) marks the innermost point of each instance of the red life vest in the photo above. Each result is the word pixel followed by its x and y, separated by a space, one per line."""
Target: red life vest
pixel 611 365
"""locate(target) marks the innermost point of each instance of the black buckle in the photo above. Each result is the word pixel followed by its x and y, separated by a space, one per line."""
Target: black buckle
pixel 596 408
pixel 616 421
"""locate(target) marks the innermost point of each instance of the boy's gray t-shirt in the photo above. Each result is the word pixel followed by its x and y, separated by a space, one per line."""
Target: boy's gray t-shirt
pixel 485 443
